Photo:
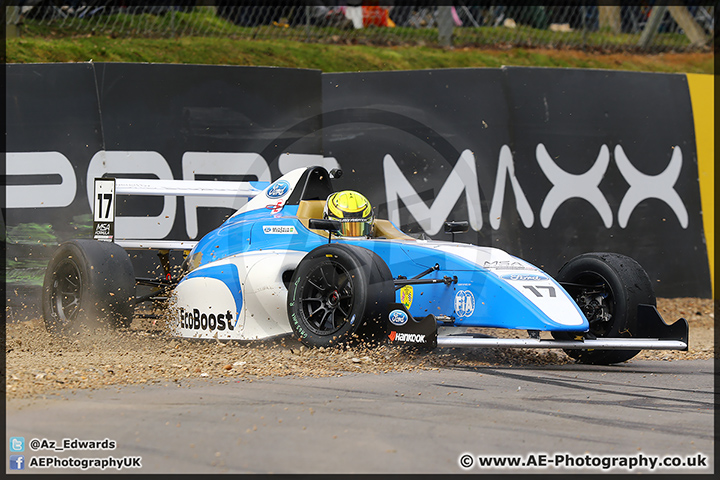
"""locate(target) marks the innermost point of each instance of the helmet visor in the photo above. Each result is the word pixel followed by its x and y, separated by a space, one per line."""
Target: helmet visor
pixel 355 227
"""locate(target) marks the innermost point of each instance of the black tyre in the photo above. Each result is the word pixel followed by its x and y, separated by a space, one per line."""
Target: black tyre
pixel 88 284
pixel 340 294
pixel 608 287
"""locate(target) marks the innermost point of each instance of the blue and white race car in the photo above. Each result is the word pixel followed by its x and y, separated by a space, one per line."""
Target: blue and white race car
pixel 278 267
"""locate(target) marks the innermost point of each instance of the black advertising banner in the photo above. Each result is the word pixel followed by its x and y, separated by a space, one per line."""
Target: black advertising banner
pixel 53 127
pixel 70 123
pixel 200 123
pixel 611 158
pixel 544 163
pixel 424 145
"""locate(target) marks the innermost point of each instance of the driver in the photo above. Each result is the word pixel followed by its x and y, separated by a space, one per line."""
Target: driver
pixel 352 210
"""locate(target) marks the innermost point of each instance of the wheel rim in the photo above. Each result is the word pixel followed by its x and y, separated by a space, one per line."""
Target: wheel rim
pixel 66 292
pixel 326 298
pixel 595 300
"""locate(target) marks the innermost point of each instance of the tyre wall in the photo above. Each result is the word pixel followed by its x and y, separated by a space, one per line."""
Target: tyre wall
pixel 544 163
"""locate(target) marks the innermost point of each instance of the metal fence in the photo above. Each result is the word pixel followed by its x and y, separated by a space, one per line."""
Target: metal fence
pixel 586 26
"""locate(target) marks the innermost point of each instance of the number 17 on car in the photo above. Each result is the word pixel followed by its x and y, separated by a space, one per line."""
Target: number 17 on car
pixel 104 209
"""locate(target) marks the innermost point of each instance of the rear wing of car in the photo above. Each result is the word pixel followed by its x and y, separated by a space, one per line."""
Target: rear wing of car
pixel 107 189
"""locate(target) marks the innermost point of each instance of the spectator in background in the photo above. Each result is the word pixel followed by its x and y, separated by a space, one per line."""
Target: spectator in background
pixel 353 12
pixel 370 14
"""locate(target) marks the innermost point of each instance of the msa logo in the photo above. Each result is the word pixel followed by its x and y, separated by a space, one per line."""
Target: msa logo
pixel 506 265
pixel 407 337
pixel 102 229
pixel 278 189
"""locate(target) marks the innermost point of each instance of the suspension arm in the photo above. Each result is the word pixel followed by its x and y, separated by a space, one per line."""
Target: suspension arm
pixel 401 282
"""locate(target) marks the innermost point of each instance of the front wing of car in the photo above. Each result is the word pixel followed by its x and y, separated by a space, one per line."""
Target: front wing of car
pixel 403 329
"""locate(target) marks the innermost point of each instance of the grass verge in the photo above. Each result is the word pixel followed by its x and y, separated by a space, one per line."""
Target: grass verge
pixel 329 57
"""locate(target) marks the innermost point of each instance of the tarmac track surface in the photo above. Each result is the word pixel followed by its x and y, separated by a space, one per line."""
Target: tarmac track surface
pixel 399 422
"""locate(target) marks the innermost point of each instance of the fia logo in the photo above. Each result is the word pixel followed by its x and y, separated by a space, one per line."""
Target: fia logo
pixel 464 303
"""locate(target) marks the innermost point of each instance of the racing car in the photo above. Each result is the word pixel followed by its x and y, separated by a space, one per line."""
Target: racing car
pixel 284 264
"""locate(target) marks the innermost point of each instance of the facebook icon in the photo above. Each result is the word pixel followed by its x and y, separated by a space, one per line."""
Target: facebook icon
pixel 17 462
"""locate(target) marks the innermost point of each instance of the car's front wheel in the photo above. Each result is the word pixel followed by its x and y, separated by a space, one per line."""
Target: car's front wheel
pixel 339 293
pixel 608 287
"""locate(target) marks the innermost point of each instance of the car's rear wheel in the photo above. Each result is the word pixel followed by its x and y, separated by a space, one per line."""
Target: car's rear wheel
pixel 339 294
pixel 608 287
pixel 88 284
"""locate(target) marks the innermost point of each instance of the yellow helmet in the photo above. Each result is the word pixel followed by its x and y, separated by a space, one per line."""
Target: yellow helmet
pixel 352 210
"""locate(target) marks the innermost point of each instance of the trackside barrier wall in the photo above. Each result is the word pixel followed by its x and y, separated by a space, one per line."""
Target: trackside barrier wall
pixel 69 123
pixel 544 163
pixel 702 93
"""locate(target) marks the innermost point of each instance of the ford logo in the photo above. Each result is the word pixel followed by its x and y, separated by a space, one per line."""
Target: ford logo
pixel 278 189
pixel 524 277
pixel 398 317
